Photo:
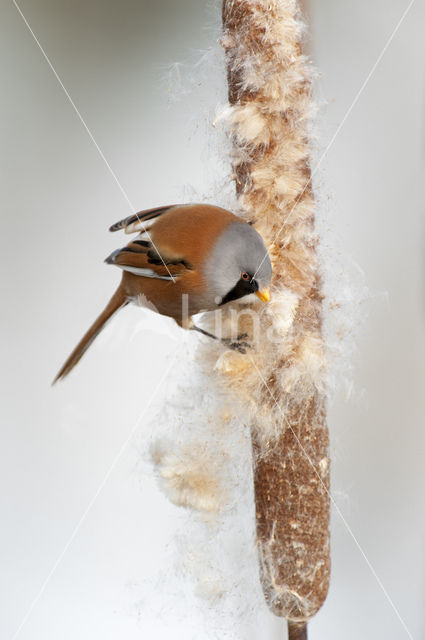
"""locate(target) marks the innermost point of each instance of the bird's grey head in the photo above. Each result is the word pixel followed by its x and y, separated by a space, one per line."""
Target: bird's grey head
pixel 238 265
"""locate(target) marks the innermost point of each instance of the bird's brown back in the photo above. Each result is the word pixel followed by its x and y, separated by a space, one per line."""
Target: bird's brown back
pixel 190 231
pixel 186 232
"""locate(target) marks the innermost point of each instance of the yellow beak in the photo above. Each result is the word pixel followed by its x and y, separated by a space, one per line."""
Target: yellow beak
pixel 264 295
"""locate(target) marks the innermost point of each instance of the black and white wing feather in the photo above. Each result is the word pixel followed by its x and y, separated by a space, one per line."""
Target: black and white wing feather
pixel 139 222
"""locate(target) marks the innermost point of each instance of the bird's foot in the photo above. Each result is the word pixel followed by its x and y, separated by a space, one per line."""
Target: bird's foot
pixel 239 344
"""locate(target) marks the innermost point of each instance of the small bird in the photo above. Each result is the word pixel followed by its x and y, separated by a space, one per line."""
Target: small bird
pixel 185 259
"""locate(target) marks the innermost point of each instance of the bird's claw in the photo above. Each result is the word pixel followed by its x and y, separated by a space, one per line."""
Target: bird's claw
pixel 238 344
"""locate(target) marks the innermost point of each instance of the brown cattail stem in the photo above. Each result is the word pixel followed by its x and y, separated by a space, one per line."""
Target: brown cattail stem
pixel 270 98
pixel 297 631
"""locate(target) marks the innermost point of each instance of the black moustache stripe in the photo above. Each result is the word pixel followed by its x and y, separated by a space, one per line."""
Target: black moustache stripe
pixel 242 288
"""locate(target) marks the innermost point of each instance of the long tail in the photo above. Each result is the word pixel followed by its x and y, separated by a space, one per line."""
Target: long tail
pixel 117 301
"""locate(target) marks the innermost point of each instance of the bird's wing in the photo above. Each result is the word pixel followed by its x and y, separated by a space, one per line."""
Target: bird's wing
pixel 140 221
pixel 142 258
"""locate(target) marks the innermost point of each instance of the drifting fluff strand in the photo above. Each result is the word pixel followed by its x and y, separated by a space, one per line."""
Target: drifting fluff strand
pixel 283 378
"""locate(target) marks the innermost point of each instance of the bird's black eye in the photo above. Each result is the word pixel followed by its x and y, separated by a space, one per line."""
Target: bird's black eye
pixel 245 276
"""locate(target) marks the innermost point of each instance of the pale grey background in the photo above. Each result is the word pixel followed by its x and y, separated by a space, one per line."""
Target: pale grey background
pixel 57 202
